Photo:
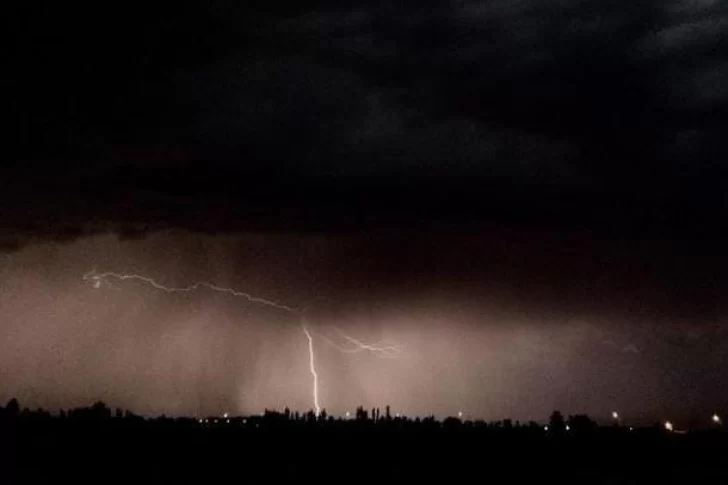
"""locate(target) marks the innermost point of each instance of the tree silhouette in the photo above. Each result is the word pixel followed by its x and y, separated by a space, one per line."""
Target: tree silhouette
pixel 581 423
pixel 100 410
pixel 556 422
pixel 12 409
pixel 361 414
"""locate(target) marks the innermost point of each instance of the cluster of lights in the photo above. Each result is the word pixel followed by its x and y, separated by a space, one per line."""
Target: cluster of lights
pixel 667 425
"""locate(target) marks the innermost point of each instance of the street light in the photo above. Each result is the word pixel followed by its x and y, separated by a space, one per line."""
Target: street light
pixel 615 415
pixel 716 419
pixel 668 426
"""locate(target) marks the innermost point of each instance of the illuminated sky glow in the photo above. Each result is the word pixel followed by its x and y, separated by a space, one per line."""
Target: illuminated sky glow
pixel 443 347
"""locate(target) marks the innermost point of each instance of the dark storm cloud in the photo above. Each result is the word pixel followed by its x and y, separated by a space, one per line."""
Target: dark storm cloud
pixel 591 129
pixel 319 115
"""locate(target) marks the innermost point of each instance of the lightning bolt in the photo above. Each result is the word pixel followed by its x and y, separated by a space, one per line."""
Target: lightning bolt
pixel 388 351
pixel 312 369
pixel 98 279
pixel 382 349
pixel 385 349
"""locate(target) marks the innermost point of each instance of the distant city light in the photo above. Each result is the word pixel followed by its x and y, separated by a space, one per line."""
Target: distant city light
pixel 460 414
pixel 200 420
pixel 568 428
pixel 227 421
pixel 545 428
pixel 668 426
pixel 245 421
pixel 615 415
pixel 631 428
pixel 716 419
pixel 348 415
pixel 225 415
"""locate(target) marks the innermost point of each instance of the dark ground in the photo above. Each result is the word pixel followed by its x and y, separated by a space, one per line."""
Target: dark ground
pixel 41 449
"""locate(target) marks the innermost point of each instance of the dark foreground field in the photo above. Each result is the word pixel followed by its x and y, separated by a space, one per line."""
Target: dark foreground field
pixel 43 449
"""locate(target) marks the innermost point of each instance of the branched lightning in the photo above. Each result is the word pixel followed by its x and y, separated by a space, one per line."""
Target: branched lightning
pixel 99 278
pixel 387 351
pixel 382 349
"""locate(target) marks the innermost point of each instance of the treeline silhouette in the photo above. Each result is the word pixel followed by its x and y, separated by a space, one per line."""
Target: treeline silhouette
pixel 101 444
pixel 579 424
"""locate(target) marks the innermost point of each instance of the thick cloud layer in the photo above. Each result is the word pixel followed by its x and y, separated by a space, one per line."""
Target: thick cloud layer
pixel 234 116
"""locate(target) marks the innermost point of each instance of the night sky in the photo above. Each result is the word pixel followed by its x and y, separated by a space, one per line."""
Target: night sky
pixel 526 198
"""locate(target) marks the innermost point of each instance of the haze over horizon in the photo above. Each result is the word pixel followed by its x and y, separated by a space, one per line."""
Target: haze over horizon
pixel 492 346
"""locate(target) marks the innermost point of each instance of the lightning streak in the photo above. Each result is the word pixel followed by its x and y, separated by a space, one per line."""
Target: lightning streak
pixel 382 349
pixel 98 278
pixel 312 369
pixel 388 351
